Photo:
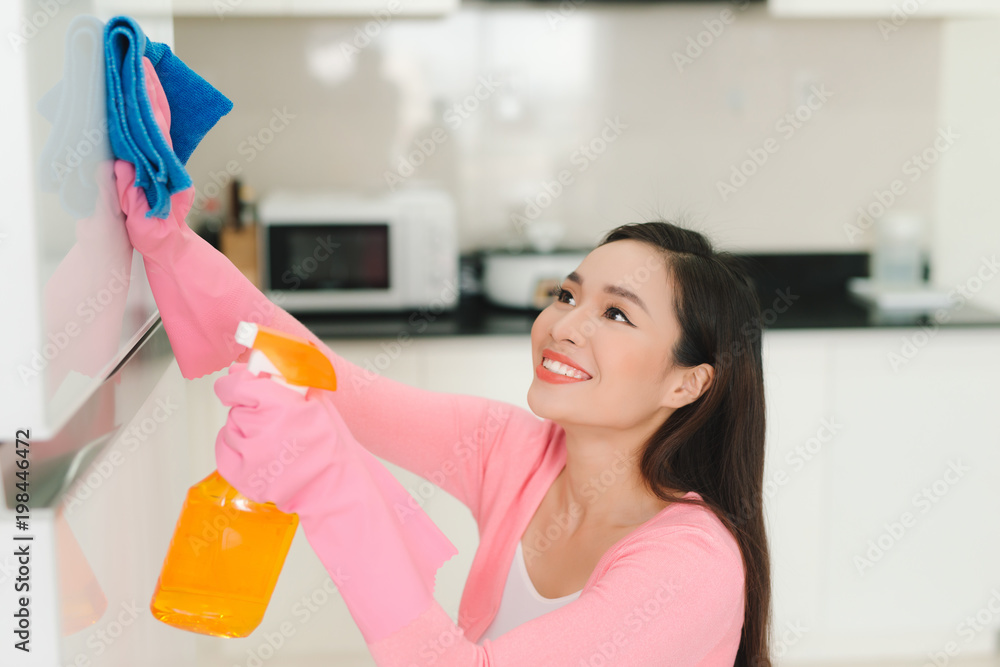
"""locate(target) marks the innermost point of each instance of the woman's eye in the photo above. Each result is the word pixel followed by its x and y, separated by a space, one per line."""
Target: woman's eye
pixel 612 308
pixel 559 293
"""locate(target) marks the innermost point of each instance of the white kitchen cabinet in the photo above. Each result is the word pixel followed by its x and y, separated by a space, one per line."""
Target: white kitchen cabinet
pixel 122 512
pixel 105 494
pixel 900 10
pixel 801 429
pixel 893 429
pixel 384 9
pixel 914 544
pixel 497 367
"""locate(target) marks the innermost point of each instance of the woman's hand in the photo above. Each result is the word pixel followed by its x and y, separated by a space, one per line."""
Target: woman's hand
pixel 149 234
pixel 297 452
pixel 276 445
pixel 201 295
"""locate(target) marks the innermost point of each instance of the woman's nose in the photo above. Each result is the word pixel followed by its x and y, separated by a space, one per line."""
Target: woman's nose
pixel 576 325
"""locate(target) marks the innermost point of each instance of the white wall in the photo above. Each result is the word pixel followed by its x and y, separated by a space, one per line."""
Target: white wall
pixel 562 74
pixel 967 237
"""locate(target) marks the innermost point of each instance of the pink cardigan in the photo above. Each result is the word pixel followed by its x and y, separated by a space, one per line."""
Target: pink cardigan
pixel 669 593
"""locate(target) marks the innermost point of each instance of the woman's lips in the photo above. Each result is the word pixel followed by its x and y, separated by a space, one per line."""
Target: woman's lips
pixel 545 374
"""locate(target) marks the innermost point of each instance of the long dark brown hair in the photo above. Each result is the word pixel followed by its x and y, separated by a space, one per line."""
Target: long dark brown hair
pixel 715 445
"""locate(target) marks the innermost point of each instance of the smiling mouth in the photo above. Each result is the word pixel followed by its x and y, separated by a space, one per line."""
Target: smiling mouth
pixel 563 370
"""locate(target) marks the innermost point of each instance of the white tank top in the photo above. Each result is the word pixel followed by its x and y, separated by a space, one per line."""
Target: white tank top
pixel 521 602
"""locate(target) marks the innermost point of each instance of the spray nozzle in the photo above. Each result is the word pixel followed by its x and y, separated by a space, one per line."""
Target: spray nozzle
pixel 296 363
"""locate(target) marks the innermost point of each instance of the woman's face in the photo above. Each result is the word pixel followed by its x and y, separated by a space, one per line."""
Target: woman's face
pixel 623 347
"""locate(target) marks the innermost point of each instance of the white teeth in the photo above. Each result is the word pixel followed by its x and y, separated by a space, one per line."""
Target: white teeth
pixel 562 369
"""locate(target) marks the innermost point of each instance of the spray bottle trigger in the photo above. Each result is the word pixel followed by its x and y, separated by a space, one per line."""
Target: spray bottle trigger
pixel 259 362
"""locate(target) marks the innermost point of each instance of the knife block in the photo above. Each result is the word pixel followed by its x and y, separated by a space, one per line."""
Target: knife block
pixel 240 246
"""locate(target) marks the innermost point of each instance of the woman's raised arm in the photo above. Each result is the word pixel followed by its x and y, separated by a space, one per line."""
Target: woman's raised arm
pixel 202 296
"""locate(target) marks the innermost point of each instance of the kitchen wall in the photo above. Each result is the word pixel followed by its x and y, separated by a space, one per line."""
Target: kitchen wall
pixel 673 125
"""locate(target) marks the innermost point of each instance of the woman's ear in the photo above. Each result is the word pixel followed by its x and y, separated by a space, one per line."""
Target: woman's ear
pixel 695 382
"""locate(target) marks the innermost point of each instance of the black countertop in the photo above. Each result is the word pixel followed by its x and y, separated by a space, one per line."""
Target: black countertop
pixel 816 283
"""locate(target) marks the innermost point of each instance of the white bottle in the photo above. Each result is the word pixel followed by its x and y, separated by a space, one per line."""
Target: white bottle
pixel 898 256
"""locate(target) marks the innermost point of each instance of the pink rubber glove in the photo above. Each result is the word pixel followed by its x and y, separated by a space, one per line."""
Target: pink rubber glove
pixel 199 316
pixel 202 297
pixel 297 452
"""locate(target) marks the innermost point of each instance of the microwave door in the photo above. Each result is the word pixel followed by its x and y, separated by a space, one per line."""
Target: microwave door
pixel 354 265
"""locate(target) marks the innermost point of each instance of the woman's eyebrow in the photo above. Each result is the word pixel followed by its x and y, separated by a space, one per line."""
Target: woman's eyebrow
pixel 613 289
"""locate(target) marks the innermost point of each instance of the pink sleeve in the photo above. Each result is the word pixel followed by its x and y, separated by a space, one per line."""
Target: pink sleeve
pixel 443 437
pixel 672 597
pixel 202 296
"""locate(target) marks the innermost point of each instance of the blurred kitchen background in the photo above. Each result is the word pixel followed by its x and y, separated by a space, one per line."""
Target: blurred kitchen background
pixel 490 101
pixel 848 148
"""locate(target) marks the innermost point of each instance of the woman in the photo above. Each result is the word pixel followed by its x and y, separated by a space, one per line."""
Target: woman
pixel 633 506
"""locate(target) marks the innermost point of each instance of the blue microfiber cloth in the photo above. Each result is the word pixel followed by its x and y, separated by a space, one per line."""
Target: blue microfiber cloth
pixel 195 107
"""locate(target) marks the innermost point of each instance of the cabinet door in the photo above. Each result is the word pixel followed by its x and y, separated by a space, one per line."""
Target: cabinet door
pixel 802 428
pixel 69 278
pixel 497 367
pixel 112 531
pixel 896 11
pixel 913 545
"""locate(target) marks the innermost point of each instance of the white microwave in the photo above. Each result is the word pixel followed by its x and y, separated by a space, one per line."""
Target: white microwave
pixel 337 252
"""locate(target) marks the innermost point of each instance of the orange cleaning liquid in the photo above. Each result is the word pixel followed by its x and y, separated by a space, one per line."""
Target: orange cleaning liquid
pixel 223 562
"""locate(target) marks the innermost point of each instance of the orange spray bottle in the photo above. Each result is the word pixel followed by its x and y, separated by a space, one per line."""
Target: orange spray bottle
pixel 227 550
